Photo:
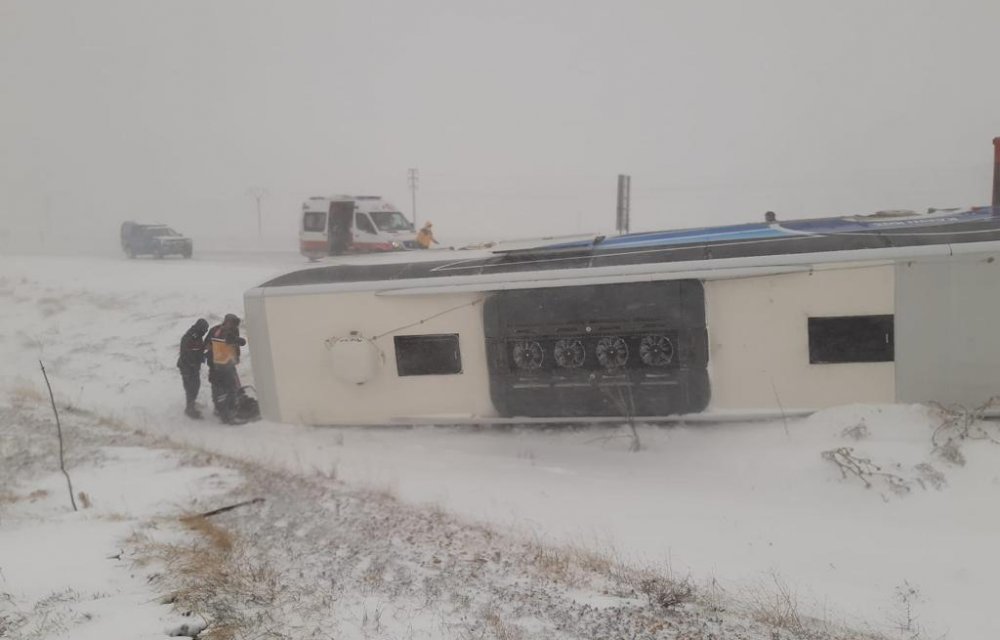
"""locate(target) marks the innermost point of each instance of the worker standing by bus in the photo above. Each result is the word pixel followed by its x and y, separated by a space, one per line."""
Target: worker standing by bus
pixel 223 350
pixel 192 352
pixel 425 236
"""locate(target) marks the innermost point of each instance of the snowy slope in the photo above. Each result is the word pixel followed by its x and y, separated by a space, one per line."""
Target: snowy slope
pixel 747 505
pixel 64 574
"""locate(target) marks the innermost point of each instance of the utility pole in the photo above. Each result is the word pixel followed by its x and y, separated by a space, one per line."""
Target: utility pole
pixel 413 177
pixel 44 231
pixel 996 175
pixel 624 203
pixel 258 194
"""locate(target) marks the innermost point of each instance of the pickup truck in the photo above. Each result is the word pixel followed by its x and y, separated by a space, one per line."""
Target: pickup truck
pixel 157 240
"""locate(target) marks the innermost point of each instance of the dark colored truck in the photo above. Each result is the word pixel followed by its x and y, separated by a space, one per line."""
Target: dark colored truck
pixel 157 240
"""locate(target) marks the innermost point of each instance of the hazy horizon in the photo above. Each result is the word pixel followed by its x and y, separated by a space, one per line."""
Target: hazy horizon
pixel 518 115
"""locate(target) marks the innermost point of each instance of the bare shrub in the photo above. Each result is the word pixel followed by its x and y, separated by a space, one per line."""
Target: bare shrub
pixel 904 620
pixel 554 564
pixel 775 605
pixel 864 469
pixel 62 458
pixel 575 565
pixel 625 403
pixel 714 596
pixel 218 537
pixel 857 432
pixel 950 452
pixel 84 500
pixel 501 629
pixel 595 561
pixel 928 476
pixel 373 576
pixel 665 593
pixel 960 423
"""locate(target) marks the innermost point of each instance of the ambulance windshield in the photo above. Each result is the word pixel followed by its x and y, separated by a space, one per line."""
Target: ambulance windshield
pixel 391 221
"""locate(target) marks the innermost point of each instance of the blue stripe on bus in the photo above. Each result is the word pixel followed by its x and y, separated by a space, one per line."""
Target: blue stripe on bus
pixel 758 231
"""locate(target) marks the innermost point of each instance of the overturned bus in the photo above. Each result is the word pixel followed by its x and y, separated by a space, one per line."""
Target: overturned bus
pixel 741 321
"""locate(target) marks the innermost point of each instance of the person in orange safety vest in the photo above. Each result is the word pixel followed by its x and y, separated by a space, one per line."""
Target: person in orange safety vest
pixel 222 351
pixel 425 236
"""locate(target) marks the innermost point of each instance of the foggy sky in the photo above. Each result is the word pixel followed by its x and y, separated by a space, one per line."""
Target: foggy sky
pixel 519 115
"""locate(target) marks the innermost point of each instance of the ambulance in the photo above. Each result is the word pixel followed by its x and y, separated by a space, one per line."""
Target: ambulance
pixel 336 225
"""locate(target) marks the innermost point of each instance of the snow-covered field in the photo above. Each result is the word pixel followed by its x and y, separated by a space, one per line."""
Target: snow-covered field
pixel 749 508
pixel 65 573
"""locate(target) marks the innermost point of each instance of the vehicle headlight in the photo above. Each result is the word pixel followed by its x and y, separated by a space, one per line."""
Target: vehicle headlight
pixel 397 244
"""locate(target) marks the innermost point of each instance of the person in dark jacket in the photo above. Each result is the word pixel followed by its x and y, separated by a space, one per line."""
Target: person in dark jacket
pixel 222 349
pixel 192 352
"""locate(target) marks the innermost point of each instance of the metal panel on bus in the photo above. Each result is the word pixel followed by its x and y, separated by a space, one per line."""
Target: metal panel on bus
pixel 628 349
pixel 947 314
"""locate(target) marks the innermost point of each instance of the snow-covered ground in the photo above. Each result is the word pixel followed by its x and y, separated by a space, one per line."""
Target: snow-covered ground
pixel 754 508
pixel 65 573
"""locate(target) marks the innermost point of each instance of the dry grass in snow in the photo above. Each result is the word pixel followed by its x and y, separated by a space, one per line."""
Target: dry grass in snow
pixel 320 559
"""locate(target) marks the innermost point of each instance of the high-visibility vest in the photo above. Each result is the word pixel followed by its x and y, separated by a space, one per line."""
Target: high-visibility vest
pixel 424 238
pixel 223 352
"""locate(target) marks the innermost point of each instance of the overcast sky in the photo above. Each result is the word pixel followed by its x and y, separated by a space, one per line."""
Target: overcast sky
pixel 519 115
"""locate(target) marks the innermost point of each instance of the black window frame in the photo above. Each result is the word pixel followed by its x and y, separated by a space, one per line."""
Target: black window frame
pixel 413 357
pixel 852 339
